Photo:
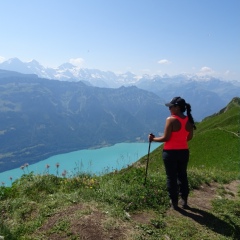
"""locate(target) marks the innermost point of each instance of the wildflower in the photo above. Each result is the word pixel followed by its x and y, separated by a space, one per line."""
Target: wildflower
pixel 64 173
pixel 22 167
pixel 47 169
pixel 57 166
pixel 26 165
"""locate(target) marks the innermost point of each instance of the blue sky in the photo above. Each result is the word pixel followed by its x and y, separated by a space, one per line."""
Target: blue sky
pixel 142 36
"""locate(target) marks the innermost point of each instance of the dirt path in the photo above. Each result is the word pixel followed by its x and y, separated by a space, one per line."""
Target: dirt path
pixel 201 198
pixel 236 134
pixel 199 213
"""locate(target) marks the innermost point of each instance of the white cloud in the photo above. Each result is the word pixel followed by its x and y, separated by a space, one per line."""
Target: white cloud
pixel 77 62
pixel 164 61
pixel 2 59
pixel 206 71
pixel 227 72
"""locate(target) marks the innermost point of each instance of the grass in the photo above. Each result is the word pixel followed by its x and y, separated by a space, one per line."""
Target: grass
pixel 29 206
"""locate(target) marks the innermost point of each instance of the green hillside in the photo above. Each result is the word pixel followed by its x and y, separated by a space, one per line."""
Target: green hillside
pixel 120 206
pixel 217 140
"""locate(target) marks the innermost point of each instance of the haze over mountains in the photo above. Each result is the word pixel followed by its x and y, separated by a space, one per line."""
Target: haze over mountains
pixel 44 112
pixel 207 95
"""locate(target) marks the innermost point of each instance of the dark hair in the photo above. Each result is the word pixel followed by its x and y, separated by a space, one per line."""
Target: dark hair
pixel 178 101
pixel 190 117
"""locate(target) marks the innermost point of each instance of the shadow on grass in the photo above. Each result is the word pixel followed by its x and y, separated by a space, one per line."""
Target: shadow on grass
pixel 212 222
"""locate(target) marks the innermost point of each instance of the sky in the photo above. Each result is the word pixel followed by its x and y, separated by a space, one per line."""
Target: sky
pixel 200 37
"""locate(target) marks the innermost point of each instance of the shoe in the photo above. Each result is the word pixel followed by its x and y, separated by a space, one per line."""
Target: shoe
pixel 174 205
pixel 184 203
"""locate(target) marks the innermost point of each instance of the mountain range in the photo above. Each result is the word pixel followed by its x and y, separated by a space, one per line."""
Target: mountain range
pixel 207 95
pixel 41 117
pixel 45 111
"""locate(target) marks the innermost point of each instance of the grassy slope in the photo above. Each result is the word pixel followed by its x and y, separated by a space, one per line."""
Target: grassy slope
pixel 217 142
pixel 33 201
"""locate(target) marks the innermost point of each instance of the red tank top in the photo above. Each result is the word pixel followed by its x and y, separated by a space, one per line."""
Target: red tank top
pixel 178 140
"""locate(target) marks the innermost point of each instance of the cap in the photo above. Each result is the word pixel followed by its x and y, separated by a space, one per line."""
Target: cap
pixel 176 101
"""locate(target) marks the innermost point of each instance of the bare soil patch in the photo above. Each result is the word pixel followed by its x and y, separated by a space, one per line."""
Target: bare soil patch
pixel 82 222
pixel 203 197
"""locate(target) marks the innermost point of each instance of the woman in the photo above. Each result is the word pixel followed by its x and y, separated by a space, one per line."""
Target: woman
pixel 178 131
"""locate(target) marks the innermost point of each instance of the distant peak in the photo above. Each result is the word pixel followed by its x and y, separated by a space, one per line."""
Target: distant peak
pixel 11 60
pixel 33 61
pixel 66 65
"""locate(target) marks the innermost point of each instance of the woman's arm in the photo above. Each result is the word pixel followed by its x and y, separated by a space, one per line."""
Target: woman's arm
pixel 166 134
pixel 190 130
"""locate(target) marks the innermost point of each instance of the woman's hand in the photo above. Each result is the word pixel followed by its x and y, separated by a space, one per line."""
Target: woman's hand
pixel 150 137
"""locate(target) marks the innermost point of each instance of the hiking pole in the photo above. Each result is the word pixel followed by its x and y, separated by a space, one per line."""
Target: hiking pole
pixel 149 146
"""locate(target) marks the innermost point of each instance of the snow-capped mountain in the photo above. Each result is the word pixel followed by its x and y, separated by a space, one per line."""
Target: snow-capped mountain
pixel 95 77
pixel 206 94
pixel 69 72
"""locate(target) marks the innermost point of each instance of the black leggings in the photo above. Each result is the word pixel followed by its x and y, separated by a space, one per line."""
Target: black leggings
pixel 175 162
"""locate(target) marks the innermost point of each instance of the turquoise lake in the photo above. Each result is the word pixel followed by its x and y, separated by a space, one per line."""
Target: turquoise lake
pixel 92 161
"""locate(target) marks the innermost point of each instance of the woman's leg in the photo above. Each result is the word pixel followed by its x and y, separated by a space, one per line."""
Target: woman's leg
pixel 183 158
pixel 170 163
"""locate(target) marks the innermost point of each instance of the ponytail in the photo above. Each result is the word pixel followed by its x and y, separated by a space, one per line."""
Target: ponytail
pixel 190 117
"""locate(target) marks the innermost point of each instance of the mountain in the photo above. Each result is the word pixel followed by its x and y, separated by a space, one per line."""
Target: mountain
pixel 42 117
pixel 207 95
pixel 69 72
pixel 14 64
